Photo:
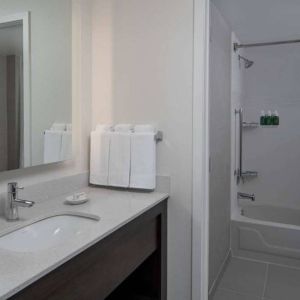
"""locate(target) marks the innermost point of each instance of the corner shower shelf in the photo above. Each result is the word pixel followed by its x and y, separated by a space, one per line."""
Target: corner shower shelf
pixel 250 125
pixel 249 174
pixel 256 125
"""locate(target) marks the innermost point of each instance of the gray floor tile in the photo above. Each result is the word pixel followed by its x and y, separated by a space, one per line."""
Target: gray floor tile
pixel 282 283
pixel 231 295
pixel 245 277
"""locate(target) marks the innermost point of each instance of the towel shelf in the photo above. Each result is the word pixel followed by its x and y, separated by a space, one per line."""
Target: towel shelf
pixel 158 137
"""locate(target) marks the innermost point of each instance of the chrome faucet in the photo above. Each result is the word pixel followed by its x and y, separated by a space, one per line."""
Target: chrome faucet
pixel 243 196
pixel 13 202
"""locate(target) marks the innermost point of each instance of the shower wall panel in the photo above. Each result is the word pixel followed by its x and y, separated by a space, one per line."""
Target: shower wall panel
pixel 220 126
pixel 272 83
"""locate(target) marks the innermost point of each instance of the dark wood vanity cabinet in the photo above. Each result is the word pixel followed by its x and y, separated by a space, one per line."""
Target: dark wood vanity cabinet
pixel 131 263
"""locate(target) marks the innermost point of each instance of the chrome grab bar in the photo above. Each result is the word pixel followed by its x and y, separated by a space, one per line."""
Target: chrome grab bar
pixel 238 171
pixel 240 174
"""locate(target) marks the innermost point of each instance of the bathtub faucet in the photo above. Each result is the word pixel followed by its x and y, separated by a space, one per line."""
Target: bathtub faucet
pixel 243 196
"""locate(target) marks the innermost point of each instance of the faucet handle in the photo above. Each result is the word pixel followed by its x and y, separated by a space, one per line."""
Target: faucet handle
pixel 13 187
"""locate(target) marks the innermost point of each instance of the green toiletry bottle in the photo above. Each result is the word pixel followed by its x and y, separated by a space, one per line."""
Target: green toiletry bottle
pixel 269 118
pixel 262 118
pixel 275 118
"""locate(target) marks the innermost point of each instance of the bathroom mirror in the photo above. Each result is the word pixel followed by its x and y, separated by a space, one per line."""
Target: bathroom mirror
pixel 35 82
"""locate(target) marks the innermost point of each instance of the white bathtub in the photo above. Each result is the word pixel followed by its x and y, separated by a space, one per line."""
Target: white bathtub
pixel 267 233
pixel 273 214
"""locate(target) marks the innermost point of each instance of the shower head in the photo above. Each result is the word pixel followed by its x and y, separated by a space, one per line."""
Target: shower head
pixel 247 63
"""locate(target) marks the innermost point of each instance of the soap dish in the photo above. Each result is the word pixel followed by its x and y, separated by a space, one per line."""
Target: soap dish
pixel 77 199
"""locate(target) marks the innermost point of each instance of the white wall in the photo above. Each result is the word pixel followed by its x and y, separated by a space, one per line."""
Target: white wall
pixel 81 109
pixel 142 73
pixel 51 42
pixel 273 83
pixel 220 127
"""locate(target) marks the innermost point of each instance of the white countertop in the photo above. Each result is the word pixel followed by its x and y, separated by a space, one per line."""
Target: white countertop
pixel 115 208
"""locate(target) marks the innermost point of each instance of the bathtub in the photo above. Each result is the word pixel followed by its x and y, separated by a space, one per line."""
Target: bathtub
pixel 267 233
pixel 273 214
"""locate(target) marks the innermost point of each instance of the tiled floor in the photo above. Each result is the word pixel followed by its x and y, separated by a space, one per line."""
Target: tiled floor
pixel 248 280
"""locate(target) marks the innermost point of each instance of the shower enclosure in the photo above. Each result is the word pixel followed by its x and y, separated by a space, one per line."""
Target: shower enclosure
pixel 254 181
pixel 269 229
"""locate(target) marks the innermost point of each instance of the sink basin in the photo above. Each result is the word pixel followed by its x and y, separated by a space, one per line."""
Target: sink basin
pixel 46 233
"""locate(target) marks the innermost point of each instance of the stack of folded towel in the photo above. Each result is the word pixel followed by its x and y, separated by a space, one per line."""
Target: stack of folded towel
pixel 100 147
pixel 58 143
pixel 123 156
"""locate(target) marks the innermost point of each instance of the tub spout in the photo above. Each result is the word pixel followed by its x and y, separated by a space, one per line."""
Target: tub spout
pixel 244 196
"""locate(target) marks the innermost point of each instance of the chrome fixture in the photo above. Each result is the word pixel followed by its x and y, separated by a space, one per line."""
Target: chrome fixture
pixel 13 202
pixel 159 136
pixel 237 46
pixel 250 125
pixel 247 63
pixel 239 172
pixel 244 196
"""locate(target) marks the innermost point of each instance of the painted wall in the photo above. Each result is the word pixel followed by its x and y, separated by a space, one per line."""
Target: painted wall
pixel 51 64
pixel 273 83
pixel 220 127
pixel 81 111
pixel 142 73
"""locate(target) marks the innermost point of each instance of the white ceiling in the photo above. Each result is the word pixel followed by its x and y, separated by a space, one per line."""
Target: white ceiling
pixel 262 20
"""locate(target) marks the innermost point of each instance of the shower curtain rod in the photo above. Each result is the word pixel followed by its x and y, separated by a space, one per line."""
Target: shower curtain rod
pixel 237 46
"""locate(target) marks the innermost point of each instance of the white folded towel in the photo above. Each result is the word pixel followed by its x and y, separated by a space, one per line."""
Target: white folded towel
pixel 104 128
pixel 99 161
pixel 119 160
pixel 52 146
pixel 66 146
pixel 125 128
pixel 143 158
pixel 144 128
pixel 58 127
